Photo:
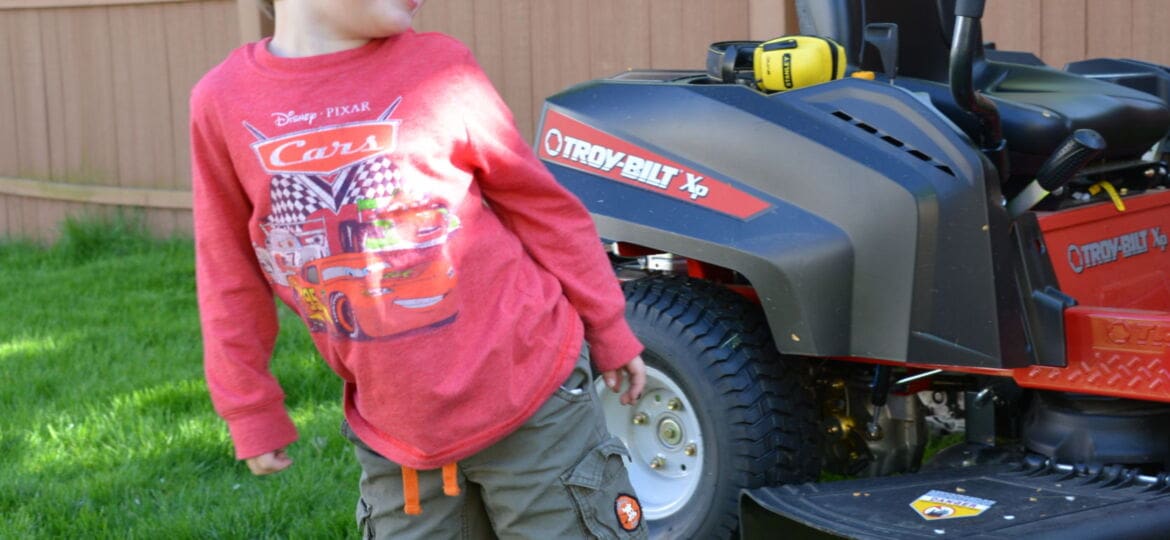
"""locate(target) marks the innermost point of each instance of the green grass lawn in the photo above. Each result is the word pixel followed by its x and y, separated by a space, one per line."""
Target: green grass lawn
pixel 106 429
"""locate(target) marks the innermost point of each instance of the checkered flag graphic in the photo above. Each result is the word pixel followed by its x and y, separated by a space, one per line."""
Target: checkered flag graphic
pixel 292 201
pixel 295 197
pixel 373 179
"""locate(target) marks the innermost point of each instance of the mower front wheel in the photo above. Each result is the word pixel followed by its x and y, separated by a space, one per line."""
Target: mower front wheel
pixel 722 409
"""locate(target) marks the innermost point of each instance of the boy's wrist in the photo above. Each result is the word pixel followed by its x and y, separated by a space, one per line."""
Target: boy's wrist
pixel 261 431
pixel 614 350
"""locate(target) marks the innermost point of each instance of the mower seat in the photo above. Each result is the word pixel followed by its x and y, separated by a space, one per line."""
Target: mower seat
pixel 1041 106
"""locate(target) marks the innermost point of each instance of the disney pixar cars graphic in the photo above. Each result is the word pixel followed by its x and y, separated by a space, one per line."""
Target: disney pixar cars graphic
pixel 361 246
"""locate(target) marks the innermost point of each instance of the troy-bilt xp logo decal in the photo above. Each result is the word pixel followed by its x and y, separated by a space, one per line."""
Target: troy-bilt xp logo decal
pixel 324 151
pixel 1084 256
pixel 573 144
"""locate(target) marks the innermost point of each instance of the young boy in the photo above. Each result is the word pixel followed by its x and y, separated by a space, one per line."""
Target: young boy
pixel 371 178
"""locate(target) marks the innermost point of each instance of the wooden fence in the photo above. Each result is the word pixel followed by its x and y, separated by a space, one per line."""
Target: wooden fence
pixel 93 93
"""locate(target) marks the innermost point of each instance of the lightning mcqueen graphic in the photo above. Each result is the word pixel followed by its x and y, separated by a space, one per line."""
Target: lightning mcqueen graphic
pixel 362 296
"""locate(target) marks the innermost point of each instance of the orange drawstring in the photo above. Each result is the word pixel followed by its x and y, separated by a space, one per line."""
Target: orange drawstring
pixel 410 491
pixel 450 481
pixel 410 487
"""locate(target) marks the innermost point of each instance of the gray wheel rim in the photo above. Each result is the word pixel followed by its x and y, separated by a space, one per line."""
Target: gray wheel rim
pixel 665 442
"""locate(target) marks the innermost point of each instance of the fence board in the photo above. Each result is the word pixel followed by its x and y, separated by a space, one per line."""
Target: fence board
pixel 90 109
pixel 220 26
pixel 560 48
pixel 142 96
pixel 487 38
pixel 771 19
pixel 46 220
pixel 252 23
pixel 1151 41
pixel 9 152
pixel 1013 24
pixel 48 4
pixel 561 53
pixel 1110 27
pixel 55 88
pixel 28 83
pixel 617 38
pixel 1063 26
pixel 516 44
pixel 7 217
pixel 188 54
pixel 682 30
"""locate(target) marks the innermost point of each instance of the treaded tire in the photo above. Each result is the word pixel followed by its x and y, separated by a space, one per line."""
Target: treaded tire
pixel 756 409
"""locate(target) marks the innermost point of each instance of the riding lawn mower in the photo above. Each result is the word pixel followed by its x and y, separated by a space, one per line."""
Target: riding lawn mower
pixel 842 246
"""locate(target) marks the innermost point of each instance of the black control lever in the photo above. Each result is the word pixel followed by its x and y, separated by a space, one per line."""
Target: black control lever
pixel 1083 146
pixel 884 38
pixel 965 48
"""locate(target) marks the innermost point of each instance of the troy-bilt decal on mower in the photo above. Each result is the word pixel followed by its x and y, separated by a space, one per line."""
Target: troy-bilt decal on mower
pixel 1103 257
pixel 1085 256
pixel 567 142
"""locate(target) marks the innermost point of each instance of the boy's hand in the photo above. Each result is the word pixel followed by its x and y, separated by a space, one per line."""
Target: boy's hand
pixel 635 370
pixel 272 462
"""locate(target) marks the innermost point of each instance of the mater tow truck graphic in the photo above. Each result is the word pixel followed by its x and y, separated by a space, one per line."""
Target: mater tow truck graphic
pixel 362 249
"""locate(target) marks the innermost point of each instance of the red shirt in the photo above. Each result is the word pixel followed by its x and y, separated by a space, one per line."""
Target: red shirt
pixel 384 193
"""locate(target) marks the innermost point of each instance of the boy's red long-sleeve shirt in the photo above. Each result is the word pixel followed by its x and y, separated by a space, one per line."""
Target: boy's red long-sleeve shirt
pixel 385 194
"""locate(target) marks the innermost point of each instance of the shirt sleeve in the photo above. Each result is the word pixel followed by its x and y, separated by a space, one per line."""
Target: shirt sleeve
pixel 236 306
pixel 551 223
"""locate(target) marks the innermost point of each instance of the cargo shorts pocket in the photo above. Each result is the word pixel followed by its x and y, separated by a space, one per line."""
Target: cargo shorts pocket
pixel 602 494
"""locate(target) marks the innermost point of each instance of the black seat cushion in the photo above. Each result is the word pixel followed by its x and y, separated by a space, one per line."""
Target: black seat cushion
pixel 1041 106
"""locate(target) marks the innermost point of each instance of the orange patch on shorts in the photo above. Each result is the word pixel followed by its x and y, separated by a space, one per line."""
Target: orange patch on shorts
pixel 629 512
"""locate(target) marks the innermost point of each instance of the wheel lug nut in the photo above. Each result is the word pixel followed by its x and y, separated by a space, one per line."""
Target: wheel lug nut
pixel 674 404
pixel 640 419
pixel 690 450
pixel 657 463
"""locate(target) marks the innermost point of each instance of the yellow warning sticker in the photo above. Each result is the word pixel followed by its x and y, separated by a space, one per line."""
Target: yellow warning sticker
pixel 937 505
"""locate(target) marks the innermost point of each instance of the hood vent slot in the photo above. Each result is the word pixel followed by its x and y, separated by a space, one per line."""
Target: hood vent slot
pixel 894 141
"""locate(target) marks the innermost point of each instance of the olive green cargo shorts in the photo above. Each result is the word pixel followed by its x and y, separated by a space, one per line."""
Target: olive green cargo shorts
pixel 560 475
